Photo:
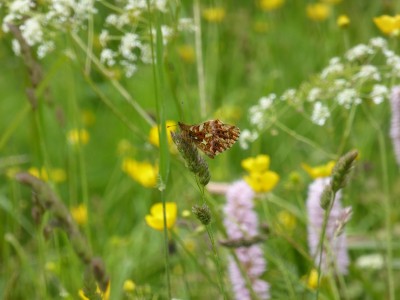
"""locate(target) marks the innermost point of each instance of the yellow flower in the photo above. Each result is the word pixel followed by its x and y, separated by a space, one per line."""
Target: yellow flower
pixel 256 164
pixel 56 175
pixel 78 136
pixel 154 138
pixel 214 14
pixel 103 295
pixel 311 279
pixel 262 182
pixel 343 21
pixel 332 2
pixel 318 11
pixel 88 117
pixel 388 25
pixel 142 172
pixel 129 286
pixel 287 220
pixel 79 214
pixel 319 171
pixel 187 53
pixel 268 5
pixel 156 219
pixel 260 178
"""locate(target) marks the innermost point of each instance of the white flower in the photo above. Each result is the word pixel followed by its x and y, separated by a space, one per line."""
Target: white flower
pixel 289 94
pixel 118 20
pixel 186 24
pixel 166 33
pixel 139 5
pixel 107 56
pixel 379 93
pixel 246 137
pixel 146 55
pixel 16 47
pixel 334 67
pixel 314 94
pixel 358 52
pixel 129 42
pixel 320 114
pixel 378 42
pixel 21 7
pixel 32 32
pixel 45 48
pixel 394 63
pixel 340 83
pixel 129 68
pixel 371 261
pixel 368 72
pixel 103 38
pixel 348 97
pixel 161 5
pixel 266 101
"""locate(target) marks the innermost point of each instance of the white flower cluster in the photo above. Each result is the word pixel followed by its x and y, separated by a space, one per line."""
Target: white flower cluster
pixel 125 38
pixel 39 23
pixel 345 82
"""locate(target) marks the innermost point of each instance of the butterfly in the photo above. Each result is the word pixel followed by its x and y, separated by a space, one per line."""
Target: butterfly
pixel 212 137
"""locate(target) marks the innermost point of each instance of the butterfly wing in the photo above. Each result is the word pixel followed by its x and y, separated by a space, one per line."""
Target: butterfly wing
pixel 212 137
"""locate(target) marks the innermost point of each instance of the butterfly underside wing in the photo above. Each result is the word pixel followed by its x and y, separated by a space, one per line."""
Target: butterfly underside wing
pixel 212 137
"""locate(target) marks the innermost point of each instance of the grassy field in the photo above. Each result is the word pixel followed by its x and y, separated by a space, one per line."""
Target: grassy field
pixel 98 202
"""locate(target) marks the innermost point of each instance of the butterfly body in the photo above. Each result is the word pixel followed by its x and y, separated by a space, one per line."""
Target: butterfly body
pixel 212 137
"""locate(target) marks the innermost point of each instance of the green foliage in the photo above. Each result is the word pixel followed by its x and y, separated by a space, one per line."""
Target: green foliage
pixel 219 72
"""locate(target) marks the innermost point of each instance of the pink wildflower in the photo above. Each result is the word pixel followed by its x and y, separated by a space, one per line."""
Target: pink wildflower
pixel 337 244
pixel 395 123
pixel 242 222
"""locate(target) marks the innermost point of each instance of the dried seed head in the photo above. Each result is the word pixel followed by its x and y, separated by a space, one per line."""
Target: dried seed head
pixel 194 161
pixel 341 170
pixel 202 213
pixel 326 197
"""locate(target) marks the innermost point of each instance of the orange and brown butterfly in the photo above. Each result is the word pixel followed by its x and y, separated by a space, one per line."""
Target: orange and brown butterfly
pixel 212 137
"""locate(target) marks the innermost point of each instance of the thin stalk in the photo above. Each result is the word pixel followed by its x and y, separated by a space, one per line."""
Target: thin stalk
pixel 386 204
pixel 16 121
pixel 217 261
pixel 303 139
pixel 289 284
pixel 160 97
pixel 347 130
pixel 199 58
pixel 199 266
pixel 118 86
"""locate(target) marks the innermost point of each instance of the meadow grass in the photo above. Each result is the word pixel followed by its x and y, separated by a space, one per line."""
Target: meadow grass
pixel 86 94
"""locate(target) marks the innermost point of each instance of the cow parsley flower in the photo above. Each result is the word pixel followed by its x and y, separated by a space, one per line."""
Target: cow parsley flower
pixel 334 67
pixel 358 52
pixel 320 113
pixel 348 97
pixel 379 93
pixel 246 137
pixel 129 42
pixel 378 42
pixel 32 31
pixel 368 72
pixel 314 94
pixel 107 57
